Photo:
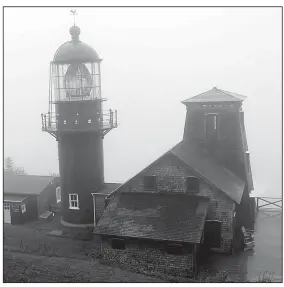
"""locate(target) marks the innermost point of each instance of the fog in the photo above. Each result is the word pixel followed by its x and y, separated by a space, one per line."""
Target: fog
pixel 153 58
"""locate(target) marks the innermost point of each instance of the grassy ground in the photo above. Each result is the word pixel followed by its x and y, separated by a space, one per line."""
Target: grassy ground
pixel 31 255
pixel 23 267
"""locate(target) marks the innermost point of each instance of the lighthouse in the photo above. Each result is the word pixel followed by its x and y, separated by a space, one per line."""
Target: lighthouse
pixel 77 121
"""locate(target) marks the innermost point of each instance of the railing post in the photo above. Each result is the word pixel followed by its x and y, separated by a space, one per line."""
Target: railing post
pixel 49 120
pixel 257 204
pixel 111 117
pixel 45 121
pixel 57 119
pixel 42 126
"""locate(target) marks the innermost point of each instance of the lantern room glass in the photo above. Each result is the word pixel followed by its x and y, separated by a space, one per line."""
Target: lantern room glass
pixel 75 82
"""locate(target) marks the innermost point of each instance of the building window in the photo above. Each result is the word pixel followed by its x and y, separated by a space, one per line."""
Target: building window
pixel 117 243
pixel 23 207
pixel 89 121
pixel 174 249
pixel 192 184
pixel 73 201
pixel 64 122
pixel 6 206
pixel 58 194
pixel 15 207
pixel 76 122
pixel 150 182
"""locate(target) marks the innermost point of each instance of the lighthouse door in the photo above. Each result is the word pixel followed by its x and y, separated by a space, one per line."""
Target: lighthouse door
pixel 7 213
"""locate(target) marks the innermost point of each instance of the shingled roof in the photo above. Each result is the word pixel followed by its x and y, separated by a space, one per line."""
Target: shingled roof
pixel 107 188
pixel 208 169
pixel 174 216
pixel 25 184
pixel 215 95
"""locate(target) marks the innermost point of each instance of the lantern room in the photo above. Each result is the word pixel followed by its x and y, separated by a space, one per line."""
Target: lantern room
pixel 75 71
pixel 75 102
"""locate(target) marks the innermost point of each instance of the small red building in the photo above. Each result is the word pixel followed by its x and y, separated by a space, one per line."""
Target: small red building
pixel 26 197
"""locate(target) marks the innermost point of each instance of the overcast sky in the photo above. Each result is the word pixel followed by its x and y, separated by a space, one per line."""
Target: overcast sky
pixel 153 58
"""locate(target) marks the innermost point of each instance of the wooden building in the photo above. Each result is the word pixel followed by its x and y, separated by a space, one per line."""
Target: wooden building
pixel 28 196
pixel 158 232
pixel 213 155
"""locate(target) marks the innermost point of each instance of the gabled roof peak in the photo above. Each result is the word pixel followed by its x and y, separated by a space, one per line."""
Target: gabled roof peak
pixel 215 95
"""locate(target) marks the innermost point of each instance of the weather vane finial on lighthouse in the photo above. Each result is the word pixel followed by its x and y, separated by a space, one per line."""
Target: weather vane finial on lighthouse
pixel 73 13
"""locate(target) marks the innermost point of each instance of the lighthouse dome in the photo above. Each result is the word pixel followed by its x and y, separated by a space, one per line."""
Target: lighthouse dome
pixel 75 51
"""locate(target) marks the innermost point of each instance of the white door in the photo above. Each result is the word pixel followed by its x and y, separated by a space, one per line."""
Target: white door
pixel 7 213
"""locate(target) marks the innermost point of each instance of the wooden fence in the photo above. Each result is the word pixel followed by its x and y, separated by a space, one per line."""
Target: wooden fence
pixel 268 202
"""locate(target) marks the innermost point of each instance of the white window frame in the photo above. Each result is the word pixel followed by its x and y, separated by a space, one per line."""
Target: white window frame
pixel 58 194
pixel 73 203
pixel 23 208
pixel 215 122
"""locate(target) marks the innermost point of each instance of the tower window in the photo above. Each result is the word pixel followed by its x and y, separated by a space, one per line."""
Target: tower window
pixel 73 201
pixel 58 194
pixel 89 121
pixel 215 122
pixel 211 126
pixel 150 182
pixel 64 122
pixel 76 122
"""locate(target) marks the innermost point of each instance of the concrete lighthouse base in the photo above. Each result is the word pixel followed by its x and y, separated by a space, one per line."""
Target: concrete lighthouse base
pixel 72 225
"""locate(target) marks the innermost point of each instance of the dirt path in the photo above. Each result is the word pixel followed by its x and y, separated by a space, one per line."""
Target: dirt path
pixel 22 267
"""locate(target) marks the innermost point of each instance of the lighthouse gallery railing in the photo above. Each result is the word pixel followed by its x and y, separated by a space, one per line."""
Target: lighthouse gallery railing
pixel 108 120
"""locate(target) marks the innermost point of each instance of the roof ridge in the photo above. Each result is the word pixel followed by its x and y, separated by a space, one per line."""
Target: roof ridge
pixel 227 94
pixel 198 95
pixel 212 95
pixel 232 94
